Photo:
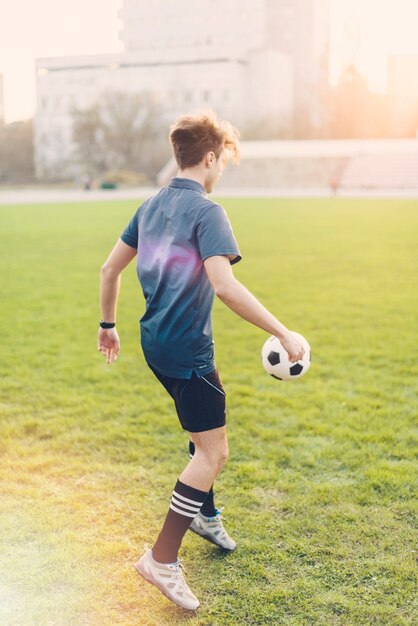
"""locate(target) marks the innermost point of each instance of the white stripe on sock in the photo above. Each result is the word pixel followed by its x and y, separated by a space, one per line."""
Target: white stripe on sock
pixel 187 499
pixel 175 500
pixel 182 512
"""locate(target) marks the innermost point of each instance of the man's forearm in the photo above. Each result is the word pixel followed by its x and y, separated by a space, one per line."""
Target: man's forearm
pixel 243 303
pixel 109 292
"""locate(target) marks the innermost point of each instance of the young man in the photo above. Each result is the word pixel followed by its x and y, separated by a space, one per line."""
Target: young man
pixel 185 248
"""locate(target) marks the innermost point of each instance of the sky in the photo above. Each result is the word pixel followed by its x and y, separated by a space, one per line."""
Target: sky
pixel 382 28
pixel 31 29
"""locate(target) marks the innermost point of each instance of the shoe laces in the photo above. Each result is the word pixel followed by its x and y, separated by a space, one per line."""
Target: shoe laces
pixel 180 581
pixel 217 517
pixel 179 567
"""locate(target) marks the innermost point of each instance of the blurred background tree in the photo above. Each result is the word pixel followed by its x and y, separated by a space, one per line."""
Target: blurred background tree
pixel 356 112
pixel 121 132
pixel 16 152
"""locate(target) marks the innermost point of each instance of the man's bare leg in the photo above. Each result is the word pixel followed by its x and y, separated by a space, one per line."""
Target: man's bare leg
pixel 191 490
pixel 208 508
pixel 211 452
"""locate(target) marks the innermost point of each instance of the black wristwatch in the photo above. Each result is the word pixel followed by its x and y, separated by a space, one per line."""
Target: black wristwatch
pixel 107 324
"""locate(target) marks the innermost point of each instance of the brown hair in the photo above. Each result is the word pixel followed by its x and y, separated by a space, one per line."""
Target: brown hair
pixel 193 136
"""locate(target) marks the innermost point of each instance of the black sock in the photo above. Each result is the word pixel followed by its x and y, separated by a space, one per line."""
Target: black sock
pixel 208 507
pixel 185 504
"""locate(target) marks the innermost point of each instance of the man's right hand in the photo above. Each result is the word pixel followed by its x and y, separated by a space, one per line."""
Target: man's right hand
pixel 295 350
pixel 243 303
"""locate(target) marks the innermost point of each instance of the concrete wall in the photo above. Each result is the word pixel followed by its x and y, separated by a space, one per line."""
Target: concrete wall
pixel 351 164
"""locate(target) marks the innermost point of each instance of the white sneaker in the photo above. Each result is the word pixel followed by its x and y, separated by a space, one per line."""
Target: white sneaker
pixel 211 528
pixel 169 579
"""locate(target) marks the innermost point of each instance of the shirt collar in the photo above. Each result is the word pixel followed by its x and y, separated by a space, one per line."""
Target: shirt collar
pixel 187 183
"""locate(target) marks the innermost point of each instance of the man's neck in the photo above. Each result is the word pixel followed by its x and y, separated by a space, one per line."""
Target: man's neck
pixel 193 173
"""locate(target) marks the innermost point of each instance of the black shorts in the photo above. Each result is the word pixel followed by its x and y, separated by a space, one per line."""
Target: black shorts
pixel 200 401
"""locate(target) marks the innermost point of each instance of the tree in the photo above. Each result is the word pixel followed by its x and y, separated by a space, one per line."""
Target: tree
pixel 121 131
pixel 88 133
pixel 266 128
pixel 355 111
pixel 16 152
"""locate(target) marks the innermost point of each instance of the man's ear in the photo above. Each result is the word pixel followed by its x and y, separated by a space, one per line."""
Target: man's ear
pixel 210 159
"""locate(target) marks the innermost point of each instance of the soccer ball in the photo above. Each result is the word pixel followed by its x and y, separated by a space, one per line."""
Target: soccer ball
pixel 276 363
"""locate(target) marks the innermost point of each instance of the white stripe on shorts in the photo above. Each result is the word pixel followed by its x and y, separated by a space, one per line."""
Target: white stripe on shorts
pixel 209 383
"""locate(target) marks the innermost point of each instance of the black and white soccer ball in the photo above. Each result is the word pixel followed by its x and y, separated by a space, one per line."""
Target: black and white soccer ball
pixel 276 362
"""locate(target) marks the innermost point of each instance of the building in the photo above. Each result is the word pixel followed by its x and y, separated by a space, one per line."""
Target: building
pixel 403 96
pixel 251 61
pixel 298 29
pixel 1 101
pixel 301 30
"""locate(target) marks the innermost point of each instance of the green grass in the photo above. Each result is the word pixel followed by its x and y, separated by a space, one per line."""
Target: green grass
pixel 319 486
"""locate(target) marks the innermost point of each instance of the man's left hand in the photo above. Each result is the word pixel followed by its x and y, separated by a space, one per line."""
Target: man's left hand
pixel 109 344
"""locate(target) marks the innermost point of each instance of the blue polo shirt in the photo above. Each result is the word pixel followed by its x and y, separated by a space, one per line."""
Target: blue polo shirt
pixel 174 232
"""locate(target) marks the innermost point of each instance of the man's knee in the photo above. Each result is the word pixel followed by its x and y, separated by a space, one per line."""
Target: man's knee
pixel 223 453
pixel 215 451
pixel 217 457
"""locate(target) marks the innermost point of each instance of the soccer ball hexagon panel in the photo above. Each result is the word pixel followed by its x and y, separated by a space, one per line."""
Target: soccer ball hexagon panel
pixel 276 363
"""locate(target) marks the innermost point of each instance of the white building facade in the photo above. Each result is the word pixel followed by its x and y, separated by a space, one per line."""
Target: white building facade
pixel 229 55
pixel 1 100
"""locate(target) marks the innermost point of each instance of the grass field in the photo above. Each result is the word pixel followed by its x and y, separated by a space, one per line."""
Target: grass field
pixel 319 486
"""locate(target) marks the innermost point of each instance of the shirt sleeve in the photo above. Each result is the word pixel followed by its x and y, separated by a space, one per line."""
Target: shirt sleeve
pixel 130 234
pixel 214 234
